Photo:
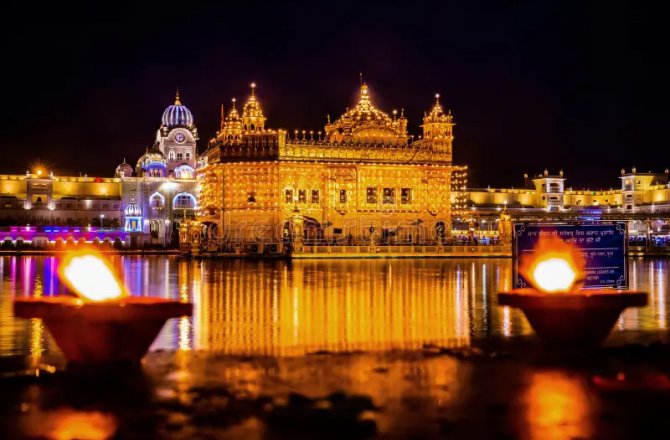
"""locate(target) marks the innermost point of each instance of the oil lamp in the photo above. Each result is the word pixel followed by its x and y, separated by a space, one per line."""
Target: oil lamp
pixel 560 312
pixel 102 324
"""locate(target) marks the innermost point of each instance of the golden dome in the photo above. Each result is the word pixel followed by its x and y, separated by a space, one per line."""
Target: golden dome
pixel 252 113
pixel 437 114
pixel 231 128
pixel 233 115
pixel 365 123
pixel 365 112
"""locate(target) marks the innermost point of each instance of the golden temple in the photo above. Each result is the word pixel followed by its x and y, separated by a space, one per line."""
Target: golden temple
pixel 363 180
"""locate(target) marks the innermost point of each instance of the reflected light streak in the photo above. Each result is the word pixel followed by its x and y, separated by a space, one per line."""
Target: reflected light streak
pixel 661 292
pixel 6 310
pixel 485 293
pixel 506 321
pixel 184 333
pixel 27 281
pixel 36 330
pixel 167 277
pixel 558 407
pixel 68 424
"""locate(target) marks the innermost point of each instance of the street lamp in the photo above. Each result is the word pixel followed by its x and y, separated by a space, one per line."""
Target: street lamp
pixel 51 207
pixel 439 228
pixel 101 217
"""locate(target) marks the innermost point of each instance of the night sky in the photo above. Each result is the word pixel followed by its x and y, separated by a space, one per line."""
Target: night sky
pixel 532 84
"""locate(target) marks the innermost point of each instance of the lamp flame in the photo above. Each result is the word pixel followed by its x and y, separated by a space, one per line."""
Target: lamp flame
pixel 91 277
pixel 554 266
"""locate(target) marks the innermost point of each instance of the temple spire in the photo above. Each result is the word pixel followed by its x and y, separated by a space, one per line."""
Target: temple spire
pixel 233 115
pixel 436 123
pixel 222 122
pixel 252 113
pixel 177 101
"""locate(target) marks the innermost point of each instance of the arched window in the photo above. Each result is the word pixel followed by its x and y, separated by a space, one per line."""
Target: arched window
pixel 171 155
pixel 157 201
pixel 184 201
pixel 184 172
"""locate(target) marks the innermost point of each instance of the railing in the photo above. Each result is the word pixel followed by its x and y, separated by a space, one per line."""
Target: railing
pixel 276 248
pixel 403 250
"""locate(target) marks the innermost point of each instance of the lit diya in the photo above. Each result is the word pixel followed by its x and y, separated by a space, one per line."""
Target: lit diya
pixel 560 312
pixel 103 324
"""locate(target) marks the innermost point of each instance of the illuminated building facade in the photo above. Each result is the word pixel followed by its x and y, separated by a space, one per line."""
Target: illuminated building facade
pixel 40 198
pixel 638 193
pixel 361 180
pixel 162 190
pixel 643 199
pixel 138 206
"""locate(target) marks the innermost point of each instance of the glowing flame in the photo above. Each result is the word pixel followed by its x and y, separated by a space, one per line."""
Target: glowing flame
pixel 91 277
pixel 554 266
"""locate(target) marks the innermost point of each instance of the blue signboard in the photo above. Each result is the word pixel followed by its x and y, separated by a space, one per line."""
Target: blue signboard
pixel 602 244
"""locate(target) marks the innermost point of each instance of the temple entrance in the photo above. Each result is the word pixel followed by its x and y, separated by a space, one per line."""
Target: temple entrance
pixel 312 231
pixel 388 237
pixel 212 231
pixel 440 229
pixel 154 229
pixel 287 232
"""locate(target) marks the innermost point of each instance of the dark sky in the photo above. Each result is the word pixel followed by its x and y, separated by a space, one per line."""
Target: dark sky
pixel 532 84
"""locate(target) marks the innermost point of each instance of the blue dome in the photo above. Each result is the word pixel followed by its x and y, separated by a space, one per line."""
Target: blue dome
pixel 177 115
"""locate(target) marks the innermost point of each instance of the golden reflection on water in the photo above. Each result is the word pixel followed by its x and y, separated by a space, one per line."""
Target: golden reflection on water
pixel 292 308
pixel 7 327
pixel 36 329
pixel 184 334
pixel 68 424
pixel 558 407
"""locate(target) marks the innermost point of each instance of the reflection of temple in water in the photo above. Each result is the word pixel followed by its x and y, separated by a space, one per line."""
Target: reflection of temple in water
pixel 281 308
pixel 290 308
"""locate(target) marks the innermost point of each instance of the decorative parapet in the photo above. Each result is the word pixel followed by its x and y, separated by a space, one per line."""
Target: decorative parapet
pixel 420 152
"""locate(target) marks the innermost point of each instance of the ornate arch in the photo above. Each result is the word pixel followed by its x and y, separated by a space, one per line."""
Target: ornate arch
pixel 160 196
pixel 184 171
pixel 180 201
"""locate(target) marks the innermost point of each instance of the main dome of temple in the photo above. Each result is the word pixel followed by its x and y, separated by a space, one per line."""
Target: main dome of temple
pixel 177 115
pixel 367 124
pixel 366 113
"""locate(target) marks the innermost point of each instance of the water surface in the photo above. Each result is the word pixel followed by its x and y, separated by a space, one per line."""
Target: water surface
pixel 292 308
